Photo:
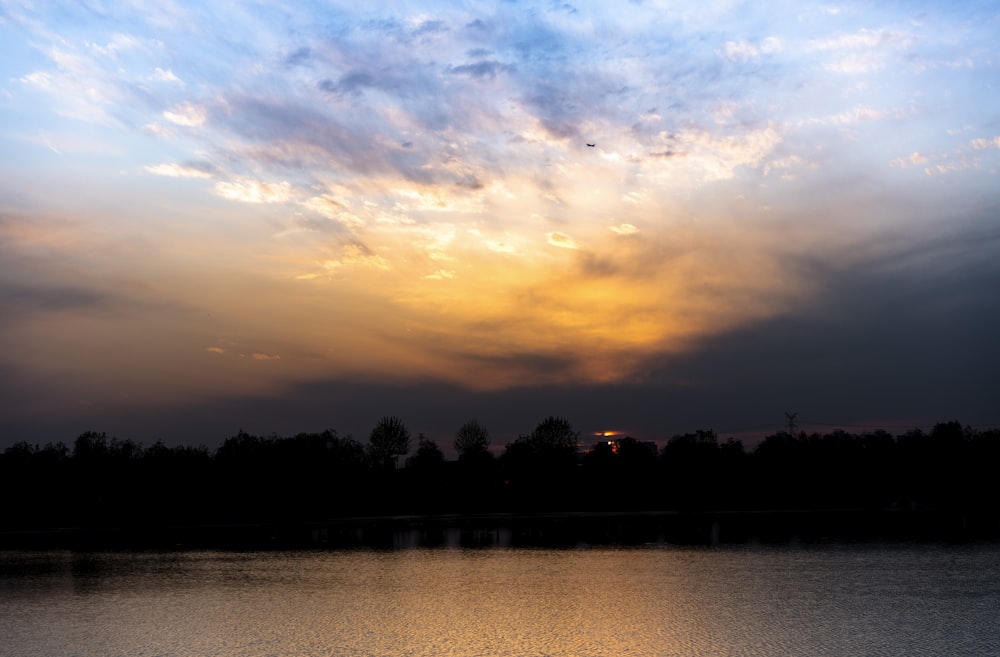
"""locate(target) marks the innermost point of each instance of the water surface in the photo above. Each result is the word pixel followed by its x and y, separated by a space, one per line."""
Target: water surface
pixel 883 599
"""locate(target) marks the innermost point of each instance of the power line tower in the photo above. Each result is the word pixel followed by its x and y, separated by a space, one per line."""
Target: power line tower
pixel 791 423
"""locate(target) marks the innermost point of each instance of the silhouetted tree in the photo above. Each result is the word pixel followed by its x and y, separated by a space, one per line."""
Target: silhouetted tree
pixel 945 476
pixel 426 478
pixel 246 485
pixel 477 481
pixel 732 480
pixel 390 438
pixel 428 455
pixel 35 485
pixel 178 483
pixel 539 467
pixel 91 476
pixel 472 440
pixel 984 459
pixel 554 435
pixel 876 469
pixel 690 473
pixel 620 474
pixel 90 446
pixel 346 474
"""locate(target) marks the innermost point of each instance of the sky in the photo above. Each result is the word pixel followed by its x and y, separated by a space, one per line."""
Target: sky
pixel 646 217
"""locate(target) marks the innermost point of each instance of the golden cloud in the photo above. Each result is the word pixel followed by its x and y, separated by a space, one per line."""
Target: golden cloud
pixel 562 240
pixel 624 229
pixel 249 190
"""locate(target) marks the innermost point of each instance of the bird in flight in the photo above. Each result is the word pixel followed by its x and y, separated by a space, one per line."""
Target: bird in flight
pixel 591 145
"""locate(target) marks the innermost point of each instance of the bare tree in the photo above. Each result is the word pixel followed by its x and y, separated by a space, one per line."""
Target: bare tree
pixel 390 438
pixel 553 434
pixel 472 439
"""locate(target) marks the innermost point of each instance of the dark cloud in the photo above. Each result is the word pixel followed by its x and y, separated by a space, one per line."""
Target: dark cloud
pixel 484 69
pixel 321 224
pixel 594 265
pixel 381 25
pixel 278 128
pixel 471 183
pixel 334 137
pixel 559 113
pixel 34 282
pixel 877 340
pixel 525 365
pixel 538 45
pixel 300 57
pixel 351 83
pixel 19 299
pixel 202 166
pixel 669 154
pixel 430 27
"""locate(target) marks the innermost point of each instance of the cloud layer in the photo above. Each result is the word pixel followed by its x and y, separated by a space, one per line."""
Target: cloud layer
pixel 250 202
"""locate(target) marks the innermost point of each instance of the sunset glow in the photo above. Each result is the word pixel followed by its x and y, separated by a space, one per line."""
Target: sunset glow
pixel 220 217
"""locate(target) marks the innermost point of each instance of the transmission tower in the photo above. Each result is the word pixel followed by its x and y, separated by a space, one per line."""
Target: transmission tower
pixel 791 423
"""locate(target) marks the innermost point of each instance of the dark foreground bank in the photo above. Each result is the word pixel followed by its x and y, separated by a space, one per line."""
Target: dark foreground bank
pixel 318 490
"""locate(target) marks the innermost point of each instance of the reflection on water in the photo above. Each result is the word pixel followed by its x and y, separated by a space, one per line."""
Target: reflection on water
pixel 882 599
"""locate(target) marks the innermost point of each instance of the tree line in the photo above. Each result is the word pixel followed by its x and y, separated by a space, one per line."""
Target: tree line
pixel 105 481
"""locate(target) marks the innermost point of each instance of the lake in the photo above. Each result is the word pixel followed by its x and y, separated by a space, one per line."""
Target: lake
pixel 840 599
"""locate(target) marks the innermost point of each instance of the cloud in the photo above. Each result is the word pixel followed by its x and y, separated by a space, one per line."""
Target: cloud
pixel 857 64
pixel 500 246
pixel 300 57
pixel 249 190
pixel 165 75
pixel 117 44
pixel 180 170
pixel 40 79
pixel 187 115
pixel 624 229
pixel 332 208
pixel 423 26
pixel 841 331
pixel 407 162
pixel 261 355
pixel 352 83
pixel 52 297
pixel 949 167
pixel 718 156
pixel 982 143
pixel 561 240
pixel 783 164
pixel 484 69
pixel 853 116
pixel 356 255
pixel 864 39
pixel 436 199
pixel 915 159
pixel 742 51
pixel 863 51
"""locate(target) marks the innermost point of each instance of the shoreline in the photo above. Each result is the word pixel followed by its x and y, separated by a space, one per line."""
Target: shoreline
pixel 543 529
